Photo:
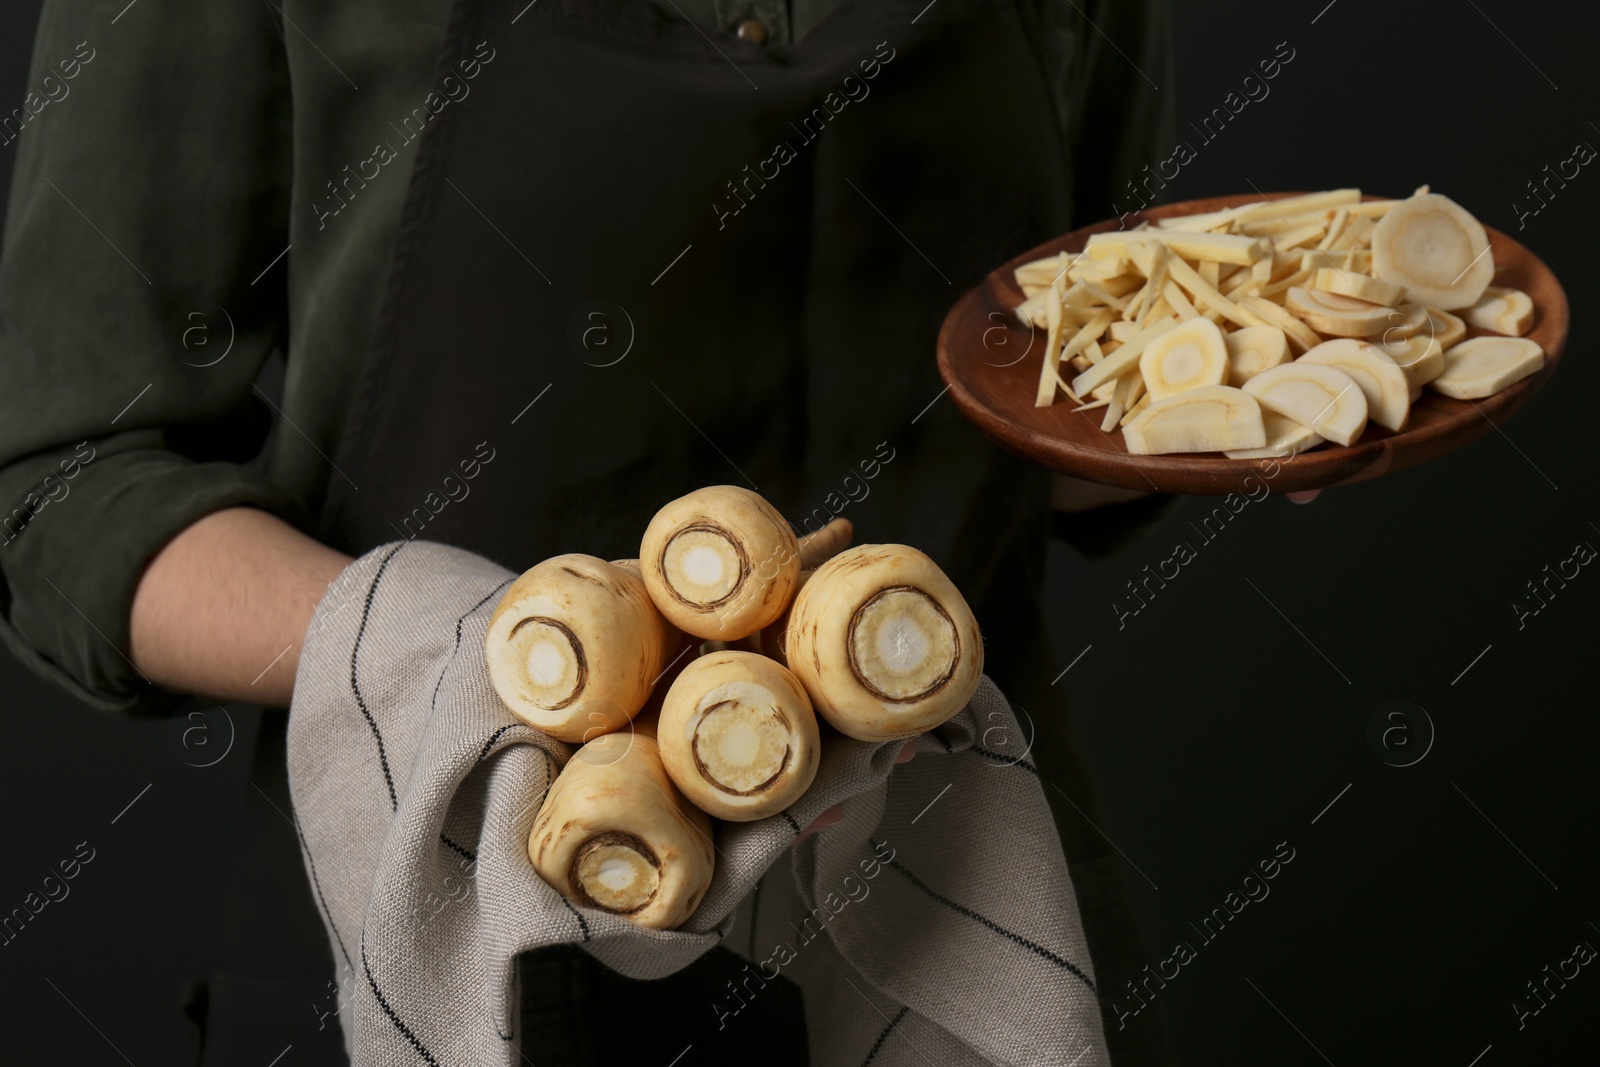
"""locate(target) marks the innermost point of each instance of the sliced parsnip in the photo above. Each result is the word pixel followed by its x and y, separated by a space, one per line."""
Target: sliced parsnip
pixel 1211 220
pixel 1372 209
pixel 1188 356
pixel 1252 349
pixel 1298 205
pixel 1222 247
pixel 1292 280
pixel 1404 321
pixel 1301 337
pixel 1303 236
pixel 1419 357
pixel 1285 438
pixel 1206 294
pixel 1096 270
pixel 1050 375
pixel 1212 418
pixel 1323 398
pixel 1485 365
pixel 1447 329
pixel 1319 259
pixel 1261 273
pixel 1122 360
pixel 1434 248
pixel 1357 233
pixel 1360 286
pixel 1042 272
pixel 1336 227
pixel 1339 316
pixel 1123 331
pixel 1034 311
pixel 1382 381
pixel 1179 302
pixel 1050 366
pixel 1507 311
pixel 1151 258
pixel 1118 404
pixel 1134 411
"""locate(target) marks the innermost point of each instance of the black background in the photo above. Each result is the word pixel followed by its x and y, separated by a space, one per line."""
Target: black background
pixel 1220 721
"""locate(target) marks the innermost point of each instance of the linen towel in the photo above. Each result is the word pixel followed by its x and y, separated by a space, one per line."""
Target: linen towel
pixel 935 924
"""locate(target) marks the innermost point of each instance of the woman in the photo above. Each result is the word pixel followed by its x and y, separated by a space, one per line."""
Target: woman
pixel 534 270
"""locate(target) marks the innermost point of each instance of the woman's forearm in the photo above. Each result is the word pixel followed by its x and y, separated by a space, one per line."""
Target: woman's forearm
pixel 222 610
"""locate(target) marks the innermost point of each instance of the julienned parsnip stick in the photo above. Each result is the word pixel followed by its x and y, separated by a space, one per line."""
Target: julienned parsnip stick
pixel 615 834
pixel 884 643
pixel 738 736
pixel 720 563
pixel 575 645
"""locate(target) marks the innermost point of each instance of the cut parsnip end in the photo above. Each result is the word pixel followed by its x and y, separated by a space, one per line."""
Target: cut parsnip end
pixel 1323 398
pixel 1252 349
pixel 575 645
pixel 1381 380
pixel 615 834
pixel 720 563
pixel 884 643
pixel 1434 248
pixel 1212 418
pixel 1485 365
pixel 1285 439
pixel 1507 311
pixel 1360 286
pixel 1188 356
pixel 738 736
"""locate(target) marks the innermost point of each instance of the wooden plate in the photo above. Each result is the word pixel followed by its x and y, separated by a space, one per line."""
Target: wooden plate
pixel 991 363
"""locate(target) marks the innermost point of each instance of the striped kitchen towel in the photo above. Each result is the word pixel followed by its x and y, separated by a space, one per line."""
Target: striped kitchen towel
pixel 935 924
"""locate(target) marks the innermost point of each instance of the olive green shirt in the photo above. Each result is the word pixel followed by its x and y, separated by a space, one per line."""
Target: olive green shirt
pixel 163 242
pixel 782 22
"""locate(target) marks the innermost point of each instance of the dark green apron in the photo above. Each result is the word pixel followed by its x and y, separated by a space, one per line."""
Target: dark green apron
pixel 638 260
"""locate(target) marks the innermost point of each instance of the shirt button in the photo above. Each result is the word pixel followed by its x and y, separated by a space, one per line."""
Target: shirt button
pixel 754 31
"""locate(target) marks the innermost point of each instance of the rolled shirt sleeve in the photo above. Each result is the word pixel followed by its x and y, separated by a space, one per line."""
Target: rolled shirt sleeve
pixel 151 194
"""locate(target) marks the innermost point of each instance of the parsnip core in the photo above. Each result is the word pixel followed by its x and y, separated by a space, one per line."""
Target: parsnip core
pixel 1182 362
pixel 703 565
pixel 556 669
pixel 740 741
pixel 616 871
pixel 1432 246
pixel 903 646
